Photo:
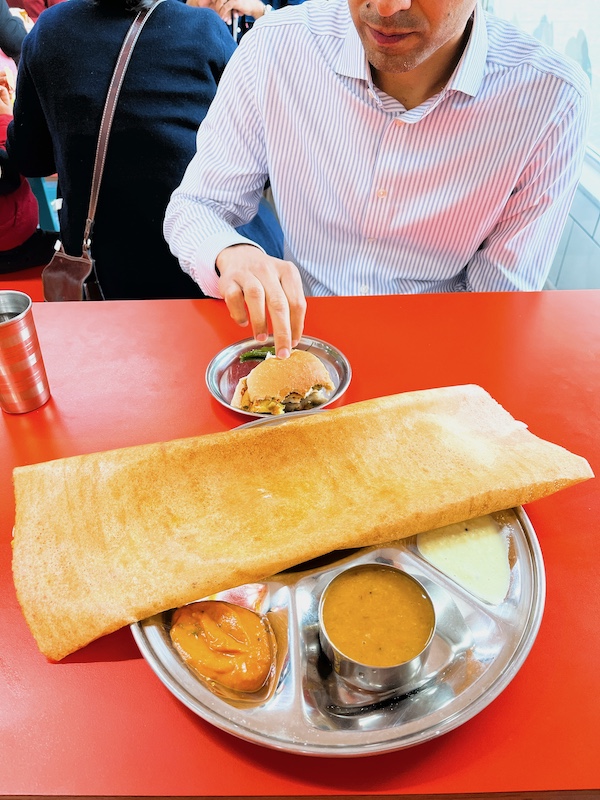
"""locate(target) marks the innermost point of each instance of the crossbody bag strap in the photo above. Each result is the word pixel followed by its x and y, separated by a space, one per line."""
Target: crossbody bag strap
pixel 109 110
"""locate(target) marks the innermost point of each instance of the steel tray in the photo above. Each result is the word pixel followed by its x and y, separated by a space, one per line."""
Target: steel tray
pixel 478 649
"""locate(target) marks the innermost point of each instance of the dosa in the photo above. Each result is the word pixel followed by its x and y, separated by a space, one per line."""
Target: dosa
pixel 106 539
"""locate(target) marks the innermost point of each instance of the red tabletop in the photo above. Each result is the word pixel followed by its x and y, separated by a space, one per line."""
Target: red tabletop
pixel 27 280
pixel 121 373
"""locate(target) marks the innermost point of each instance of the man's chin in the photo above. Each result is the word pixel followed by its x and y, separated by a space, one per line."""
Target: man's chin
pixel 390 63
pixel 390 54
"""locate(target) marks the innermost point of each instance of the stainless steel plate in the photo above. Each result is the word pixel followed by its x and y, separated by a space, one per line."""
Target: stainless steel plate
pixel 477 650
pixel 225 370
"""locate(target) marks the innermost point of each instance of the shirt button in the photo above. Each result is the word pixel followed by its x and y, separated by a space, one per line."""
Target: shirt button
pixel 381 193
pixel 364 289
pixel 398 122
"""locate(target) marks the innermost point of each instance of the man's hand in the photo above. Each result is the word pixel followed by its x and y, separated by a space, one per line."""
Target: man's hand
pixel 225 8
pixel 252 284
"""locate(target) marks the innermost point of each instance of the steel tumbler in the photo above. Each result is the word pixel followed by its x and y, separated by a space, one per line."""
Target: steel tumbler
pixel 23 381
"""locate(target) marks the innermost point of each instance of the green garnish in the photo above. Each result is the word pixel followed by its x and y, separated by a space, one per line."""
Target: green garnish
pixel 257 354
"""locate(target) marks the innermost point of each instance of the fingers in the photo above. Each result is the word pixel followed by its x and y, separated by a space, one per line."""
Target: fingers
pixel 224 9
pixel 7 79
pixel 255 293
pixel 279 312
pixel 233 296
pixel 257 288
pixel 5 101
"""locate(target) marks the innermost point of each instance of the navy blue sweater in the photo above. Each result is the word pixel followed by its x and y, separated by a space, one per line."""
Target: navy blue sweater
pixel 66 65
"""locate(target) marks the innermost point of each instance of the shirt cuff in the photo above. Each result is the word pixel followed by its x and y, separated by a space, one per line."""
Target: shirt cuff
pixel 204 271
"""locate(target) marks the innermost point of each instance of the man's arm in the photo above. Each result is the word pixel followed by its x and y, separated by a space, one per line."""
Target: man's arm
pixel 221 190
pixel 518 253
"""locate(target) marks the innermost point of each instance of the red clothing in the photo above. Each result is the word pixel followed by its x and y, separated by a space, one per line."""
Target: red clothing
pixel 19 213
pixel 33 7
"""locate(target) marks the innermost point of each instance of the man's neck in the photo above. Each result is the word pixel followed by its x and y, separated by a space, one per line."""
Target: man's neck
pixel 419 84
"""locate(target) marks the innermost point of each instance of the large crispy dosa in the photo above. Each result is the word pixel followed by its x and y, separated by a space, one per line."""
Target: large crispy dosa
pixel 106 539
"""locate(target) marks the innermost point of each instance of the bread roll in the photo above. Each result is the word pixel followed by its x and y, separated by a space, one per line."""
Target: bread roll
pixel 106 539
pixel 277 385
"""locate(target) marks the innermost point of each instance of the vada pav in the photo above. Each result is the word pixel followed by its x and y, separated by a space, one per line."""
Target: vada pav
pixel 277 385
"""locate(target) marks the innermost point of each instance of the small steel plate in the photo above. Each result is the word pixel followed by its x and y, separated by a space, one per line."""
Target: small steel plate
pixel 477 650
pixel 226 369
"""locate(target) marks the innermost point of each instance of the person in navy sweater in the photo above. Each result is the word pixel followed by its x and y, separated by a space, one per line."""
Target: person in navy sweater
pixel 66 65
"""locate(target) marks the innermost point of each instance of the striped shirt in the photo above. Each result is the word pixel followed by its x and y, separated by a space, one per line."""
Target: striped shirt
pixel 467 192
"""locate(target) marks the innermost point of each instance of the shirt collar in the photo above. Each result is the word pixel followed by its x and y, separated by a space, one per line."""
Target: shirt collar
pixel 467 77
pixel 352 61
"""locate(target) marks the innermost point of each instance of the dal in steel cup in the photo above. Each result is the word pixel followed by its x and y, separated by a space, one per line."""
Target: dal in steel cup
pixel 376 625
pixel 23 381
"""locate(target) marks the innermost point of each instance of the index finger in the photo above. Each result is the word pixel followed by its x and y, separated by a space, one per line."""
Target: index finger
pixel 294 292
pixel 279 313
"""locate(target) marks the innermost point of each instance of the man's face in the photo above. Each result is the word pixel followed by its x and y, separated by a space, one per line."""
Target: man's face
pixel 400 35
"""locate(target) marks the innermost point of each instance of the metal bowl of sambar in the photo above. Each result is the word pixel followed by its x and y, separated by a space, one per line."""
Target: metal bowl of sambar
pixel 376 625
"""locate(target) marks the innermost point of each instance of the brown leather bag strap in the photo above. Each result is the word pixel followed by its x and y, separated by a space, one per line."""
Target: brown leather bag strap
pixel 107 115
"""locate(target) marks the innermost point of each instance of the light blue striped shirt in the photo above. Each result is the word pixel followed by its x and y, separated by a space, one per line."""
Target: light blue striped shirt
pixel 468 191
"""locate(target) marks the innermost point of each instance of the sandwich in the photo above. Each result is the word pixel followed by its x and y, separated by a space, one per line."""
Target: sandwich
pixel 277 385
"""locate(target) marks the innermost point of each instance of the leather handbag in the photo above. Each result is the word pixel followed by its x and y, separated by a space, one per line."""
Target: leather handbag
pixel 68 277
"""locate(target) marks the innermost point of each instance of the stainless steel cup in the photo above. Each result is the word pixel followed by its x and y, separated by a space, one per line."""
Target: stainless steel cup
pixel 23 380
pixel 371 678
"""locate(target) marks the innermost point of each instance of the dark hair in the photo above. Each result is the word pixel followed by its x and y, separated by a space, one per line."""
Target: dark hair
pixel 125 5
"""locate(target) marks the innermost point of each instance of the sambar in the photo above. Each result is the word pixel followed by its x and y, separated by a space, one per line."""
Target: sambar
pixel 376 625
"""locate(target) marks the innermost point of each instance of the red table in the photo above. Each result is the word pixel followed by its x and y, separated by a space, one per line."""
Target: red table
pixel 122 373
pixel 27 280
